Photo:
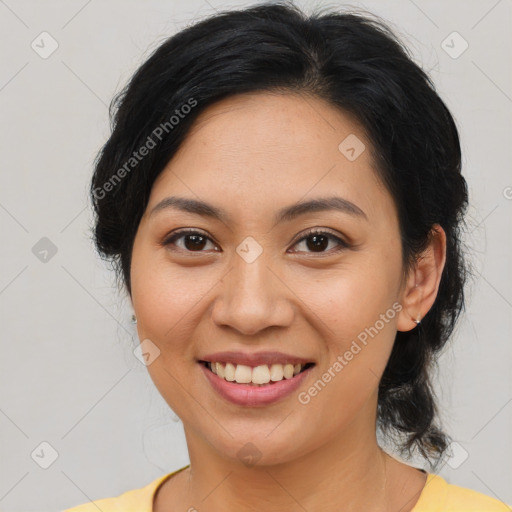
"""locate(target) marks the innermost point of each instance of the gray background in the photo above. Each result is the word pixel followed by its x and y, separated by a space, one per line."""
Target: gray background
pixel 68 374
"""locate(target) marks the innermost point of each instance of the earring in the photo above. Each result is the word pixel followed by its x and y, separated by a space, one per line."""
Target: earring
pixel 417 321
pixel 134 319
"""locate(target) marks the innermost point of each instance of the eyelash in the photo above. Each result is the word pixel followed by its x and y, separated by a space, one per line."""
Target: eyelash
pixel 342 244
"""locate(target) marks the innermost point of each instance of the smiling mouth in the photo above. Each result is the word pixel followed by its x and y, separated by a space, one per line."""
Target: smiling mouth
pixel 261 375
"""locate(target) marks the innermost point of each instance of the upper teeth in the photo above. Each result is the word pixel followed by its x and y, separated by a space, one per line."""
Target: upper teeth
pixel 262 374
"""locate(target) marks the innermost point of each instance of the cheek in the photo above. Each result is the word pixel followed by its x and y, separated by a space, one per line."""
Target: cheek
pixel 348 381
pixel 345 300
pixel 166 305
pixel 355 310
pixel 166 298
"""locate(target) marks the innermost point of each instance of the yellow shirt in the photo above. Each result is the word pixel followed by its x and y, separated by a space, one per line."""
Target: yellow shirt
pixel 437 496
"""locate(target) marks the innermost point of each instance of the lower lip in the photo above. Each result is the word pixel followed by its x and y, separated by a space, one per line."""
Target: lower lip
pixel 251 396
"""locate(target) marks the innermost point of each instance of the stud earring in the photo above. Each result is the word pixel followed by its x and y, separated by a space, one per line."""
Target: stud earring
pixel 417 321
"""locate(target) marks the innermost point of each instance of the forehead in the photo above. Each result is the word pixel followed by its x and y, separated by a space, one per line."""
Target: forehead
pixel 264 122
pixel 266 150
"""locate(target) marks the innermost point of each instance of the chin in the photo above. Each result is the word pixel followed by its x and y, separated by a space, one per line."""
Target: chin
pixel 256 447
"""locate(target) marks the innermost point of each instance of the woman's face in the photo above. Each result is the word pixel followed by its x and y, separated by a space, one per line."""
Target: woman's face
pixel 255 287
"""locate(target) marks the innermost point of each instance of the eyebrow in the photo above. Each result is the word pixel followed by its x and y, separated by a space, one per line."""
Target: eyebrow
pixel 285 214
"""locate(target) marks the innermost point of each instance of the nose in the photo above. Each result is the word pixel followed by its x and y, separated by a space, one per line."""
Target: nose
pixel 253 297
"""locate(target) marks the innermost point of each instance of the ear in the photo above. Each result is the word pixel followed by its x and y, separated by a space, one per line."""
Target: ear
pixel 422 283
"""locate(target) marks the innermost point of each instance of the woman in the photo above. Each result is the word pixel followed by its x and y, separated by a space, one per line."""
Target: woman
pixel 282 198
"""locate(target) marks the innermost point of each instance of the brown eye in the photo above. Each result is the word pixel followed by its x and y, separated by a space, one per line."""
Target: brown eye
pixel 316 241
pixel 193 241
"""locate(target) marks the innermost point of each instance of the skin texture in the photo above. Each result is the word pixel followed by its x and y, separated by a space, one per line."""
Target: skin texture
pixel 252 155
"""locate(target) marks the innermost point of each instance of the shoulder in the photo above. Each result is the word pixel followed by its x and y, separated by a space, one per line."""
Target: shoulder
pixel 135 500
pixel 440 496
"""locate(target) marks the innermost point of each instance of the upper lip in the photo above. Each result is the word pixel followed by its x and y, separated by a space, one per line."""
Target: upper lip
pixel 254 359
